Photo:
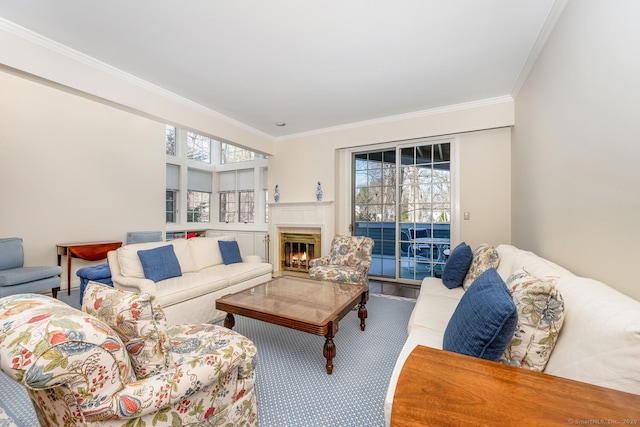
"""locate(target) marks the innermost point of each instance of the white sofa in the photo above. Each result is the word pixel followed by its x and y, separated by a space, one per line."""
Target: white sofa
pixel 599 342
pixel 190 298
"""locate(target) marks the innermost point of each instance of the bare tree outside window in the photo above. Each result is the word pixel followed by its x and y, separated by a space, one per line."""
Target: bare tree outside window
pixel 232 154
pixel 246 206
pixel 234 182
pixel 402 200
pixel 170 132
pixel 375 188
pixel 425 189
pixel 198 206
pixel 228 206
pixel 198 147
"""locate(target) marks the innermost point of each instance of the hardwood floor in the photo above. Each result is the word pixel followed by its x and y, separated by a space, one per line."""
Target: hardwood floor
pixel 391 288
pixel 375 286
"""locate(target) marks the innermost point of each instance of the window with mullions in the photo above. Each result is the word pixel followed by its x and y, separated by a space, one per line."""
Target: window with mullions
pixel 228 205
pixel 237 199
pixel 375 206
pixel 265 192
pixel 247 205
pixel 198 206
pixel 170 140
pixel 232 154
pixel 170 204
pixel 198 181
pixel 199 187
pixel 172 186
pixel 402 200
pixel 198 147
pixel 424 209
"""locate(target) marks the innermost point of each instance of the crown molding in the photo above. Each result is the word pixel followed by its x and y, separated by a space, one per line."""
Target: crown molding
pixel 400 117
pixel 60 49
pixel 545 32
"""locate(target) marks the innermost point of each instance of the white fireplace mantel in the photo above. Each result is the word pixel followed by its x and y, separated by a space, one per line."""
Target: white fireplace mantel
pixel 293 216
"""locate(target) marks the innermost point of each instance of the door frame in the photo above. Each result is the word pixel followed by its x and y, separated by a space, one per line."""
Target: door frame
pixel 344 188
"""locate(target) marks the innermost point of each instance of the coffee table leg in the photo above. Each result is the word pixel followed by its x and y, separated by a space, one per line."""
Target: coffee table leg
pixel 362 311
pixel 329 352
pixel 229 321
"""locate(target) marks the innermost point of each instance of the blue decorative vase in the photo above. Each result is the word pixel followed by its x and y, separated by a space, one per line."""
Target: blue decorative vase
pixel 276 194
pixel 319 192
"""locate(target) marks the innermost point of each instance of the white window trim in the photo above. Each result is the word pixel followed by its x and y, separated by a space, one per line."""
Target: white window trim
pixel 258 164
pixel 344 192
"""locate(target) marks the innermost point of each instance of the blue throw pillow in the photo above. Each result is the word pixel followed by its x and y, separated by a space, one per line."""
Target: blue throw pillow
pixel 484 320
pixel 457 266
pixel 160 263
pixel 230 251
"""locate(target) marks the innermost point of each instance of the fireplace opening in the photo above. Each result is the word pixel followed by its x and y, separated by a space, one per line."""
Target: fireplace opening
pixel 297 249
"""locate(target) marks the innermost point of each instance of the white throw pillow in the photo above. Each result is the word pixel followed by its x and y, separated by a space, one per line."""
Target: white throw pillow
pixel 205 251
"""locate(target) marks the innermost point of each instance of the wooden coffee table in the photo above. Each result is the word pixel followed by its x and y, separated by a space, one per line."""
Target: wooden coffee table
pixel 308 305
pixel 441 388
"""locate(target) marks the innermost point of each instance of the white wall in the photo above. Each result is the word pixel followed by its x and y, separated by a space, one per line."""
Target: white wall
pixel 484 144
pixel 299 163
pixel 74 170
pixel 485 186
pixel 575 145
pixel 36 55
pixel 114 131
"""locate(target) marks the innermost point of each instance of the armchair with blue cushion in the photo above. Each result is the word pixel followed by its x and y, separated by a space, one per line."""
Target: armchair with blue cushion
pixel 15 278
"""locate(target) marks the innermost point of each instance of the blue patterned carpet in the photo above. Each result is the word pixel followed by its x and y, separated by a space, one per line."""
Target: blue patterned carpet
pixel 293 387
pixel 15 407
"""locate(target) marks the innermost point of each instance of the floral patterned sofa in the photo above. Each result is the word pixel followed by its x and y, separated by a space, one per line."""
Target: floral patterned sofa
pixel 117 363
pixel 568 326
pixel 349 260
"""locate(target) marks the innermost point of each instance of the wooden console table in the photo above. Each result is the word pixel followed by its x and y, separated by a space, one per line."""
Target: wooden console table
pixel 89 251
pixel 441 388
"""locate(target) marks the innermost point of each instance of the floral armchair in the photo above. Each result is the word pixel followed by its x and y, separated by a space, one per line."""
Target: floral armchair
pixel 118 364
pixel 349 260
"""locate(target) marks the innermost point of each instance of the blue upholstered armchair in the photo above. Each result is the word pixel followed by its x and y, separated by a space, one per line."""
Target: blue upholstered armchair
pixel 15 278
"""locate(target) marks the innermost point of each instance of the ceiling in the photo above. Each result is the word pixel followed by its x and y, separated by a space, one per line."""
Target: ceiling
pixel 311 64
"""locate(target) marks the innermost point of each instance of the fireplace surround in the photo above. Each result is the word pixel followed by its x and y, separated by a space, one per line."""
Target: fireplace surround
pixel 300 218
pixel 296 249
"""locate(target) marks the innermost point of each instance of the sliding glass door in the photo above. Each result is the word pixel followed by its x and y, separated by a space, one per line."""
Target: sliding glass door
pixel 375 206
pixel 402 200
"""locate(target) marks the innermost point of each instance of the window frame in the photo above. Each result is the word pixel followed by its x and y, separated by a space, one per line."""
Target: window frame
pixel 183 212
pixel 228 151
pixel 206 204
pixel 228 214
pixel 174 201
pixel 171 146
pixel 198 147
pixel 347 175
pixel 250 212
